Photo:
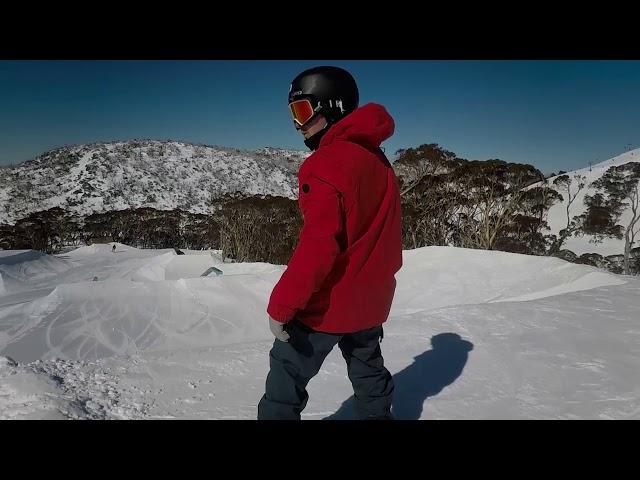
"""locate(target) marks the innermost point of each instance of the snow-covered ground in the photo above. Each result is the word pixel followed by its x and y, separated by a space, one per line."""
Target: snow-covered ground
pixel 472 334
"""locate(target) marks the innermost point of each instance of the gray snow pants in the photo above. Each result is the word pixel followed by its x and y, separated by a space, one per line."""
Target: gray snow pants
pixel 293 364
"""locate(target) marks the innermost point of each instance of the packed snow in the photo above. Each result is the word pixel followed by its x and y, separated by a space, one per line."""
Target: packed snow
pixel 140 334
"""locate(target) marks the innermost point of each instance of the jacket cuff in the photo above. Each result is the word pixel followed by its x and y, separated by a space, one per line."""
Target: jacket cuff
pixel 281 314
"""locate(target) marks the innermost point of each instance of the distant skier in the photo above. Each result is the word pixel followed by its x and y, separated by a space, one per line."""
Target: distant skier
pixel 113 249
pixel 339 284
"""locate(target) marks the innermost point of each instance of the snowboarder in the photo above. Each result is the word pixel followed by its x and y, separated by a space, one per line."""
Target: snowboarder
pixel 113 249
pixel 339 283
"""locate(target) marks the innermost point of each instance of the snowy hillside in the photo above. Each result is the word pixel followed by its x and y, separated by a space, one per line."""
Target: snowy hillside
pixel 163 175
pixel 558 213
pixel 471 334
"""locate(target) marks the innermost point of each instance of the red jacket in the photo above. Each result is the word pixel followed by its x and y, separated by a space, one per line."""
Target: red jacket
pixel 340 278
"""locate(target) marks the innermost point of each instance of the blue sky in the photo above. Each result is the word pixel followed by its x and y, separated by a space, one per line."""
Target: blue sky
pixel 552 114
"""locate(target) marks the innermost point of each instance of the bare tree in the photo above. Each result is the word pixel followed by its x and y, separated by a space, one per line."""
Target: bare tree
pixel 621 186
pixel 566 184
pixel 494 193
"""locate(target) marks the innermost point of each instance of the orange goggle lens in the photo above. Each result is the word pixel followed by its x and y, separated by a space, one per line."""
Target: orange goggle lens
pixel 302 111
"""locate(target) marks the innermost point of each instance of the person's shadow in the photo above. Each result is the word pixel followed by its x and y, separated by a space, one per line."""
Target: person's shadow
pixel 430 372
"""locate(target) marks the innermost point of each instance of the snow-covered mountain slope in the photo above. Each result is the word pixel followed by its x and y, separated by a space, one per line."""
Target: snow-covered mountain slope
pixel 557 218
pixel 143 173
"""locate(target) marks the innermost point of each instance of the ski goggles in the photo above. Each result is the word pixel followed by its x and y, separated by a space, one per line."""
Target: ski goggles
pixel 302 111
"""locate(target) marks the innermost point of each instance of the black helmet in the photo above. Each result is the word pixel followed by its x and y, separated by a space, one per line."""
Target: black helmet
pixel 332 91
